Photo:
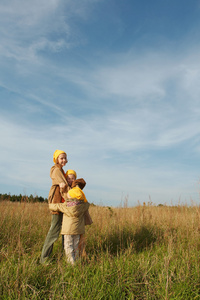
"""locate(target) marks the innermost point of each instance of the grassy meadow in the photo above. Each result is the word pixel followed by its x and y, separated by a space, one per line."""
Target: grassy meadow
pixel 144 252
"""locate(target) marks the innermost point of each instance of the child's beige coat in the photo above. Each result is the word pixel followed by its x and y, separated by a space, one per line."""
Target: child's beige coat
pixel 73 217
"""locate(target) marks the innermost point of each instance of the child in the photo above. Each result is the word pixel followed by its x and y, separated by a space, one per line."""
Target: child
pixel 75 191
pixel 58 177
pixel 74 209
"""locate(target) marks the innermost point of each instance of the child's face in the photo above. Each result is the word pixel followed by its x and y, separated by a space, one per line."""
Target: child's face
pixel 62 159
pixel 70 179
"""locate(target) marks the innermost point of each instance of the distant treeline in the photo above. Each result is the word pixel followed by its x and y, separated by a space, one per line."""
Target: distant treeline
pixel 21 198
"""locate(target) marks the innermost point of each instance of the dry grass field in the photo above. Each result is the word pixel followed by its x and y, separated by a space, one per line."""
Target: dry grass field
pixel 143 252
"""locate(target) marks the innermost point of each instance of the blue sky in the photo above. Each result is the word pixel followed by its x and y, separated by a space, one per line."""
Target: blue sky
pixel 113 83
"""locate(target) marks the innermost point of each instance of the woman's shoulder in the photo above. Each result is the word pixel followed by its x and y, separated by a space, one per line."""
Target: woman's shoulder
pixel 56 169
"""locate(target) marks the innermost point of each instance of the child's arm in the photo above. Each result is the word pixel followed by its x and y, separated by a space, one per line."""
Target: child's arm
pixel 73 211
pixel 80 182
pixel 59 207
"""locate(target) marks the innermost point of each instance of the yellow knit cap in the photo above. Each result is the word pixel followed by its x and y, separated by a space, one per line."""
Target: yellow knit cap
pixel 56 154
pixel 77 193
pixel 71 172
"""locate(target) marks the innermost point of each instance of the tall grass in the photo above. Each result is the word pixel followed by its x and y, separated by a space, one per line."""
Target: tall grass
pixel 145 252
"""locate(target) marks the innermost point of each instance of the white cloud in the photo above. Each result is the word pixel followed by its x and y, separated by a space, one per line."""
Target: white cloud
pixel 28 152
pixel 28 27
pixel 145 114
pixel 126 106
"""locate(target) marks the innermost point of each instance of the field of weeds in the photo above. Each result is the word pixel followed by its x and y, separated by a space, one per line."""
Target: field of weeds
pixel 144 252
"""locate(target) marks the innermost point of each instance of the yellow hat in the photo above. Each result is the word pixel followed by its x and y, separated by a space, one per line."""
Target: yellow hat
pixel 77 193
pixel 56 154
pixel 71 172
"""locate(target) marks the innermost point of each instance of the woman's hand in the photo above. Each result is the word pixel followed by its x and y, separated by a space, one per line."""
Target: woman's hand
pixel 62 185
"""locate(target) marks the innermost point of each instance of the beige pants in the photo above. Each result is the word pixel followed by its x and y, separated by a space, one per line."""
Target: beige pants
pixel 81 246
pixel 71 243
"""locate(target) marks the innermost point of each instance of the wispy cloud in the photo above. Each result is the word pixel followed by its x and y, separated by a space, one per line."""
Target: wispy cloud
pixel 28 28
pixel 148 112
pixel 123 116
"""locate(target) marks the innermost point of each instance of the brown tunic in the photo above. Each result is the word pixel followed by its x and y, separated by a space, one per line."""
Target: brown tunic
pixel 57 175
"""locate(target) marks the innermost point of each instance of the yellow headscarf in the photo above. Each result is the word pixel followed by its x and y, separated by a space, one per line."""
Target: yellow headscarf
pixel 77 193
pixel 56 154
pixel 69 172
